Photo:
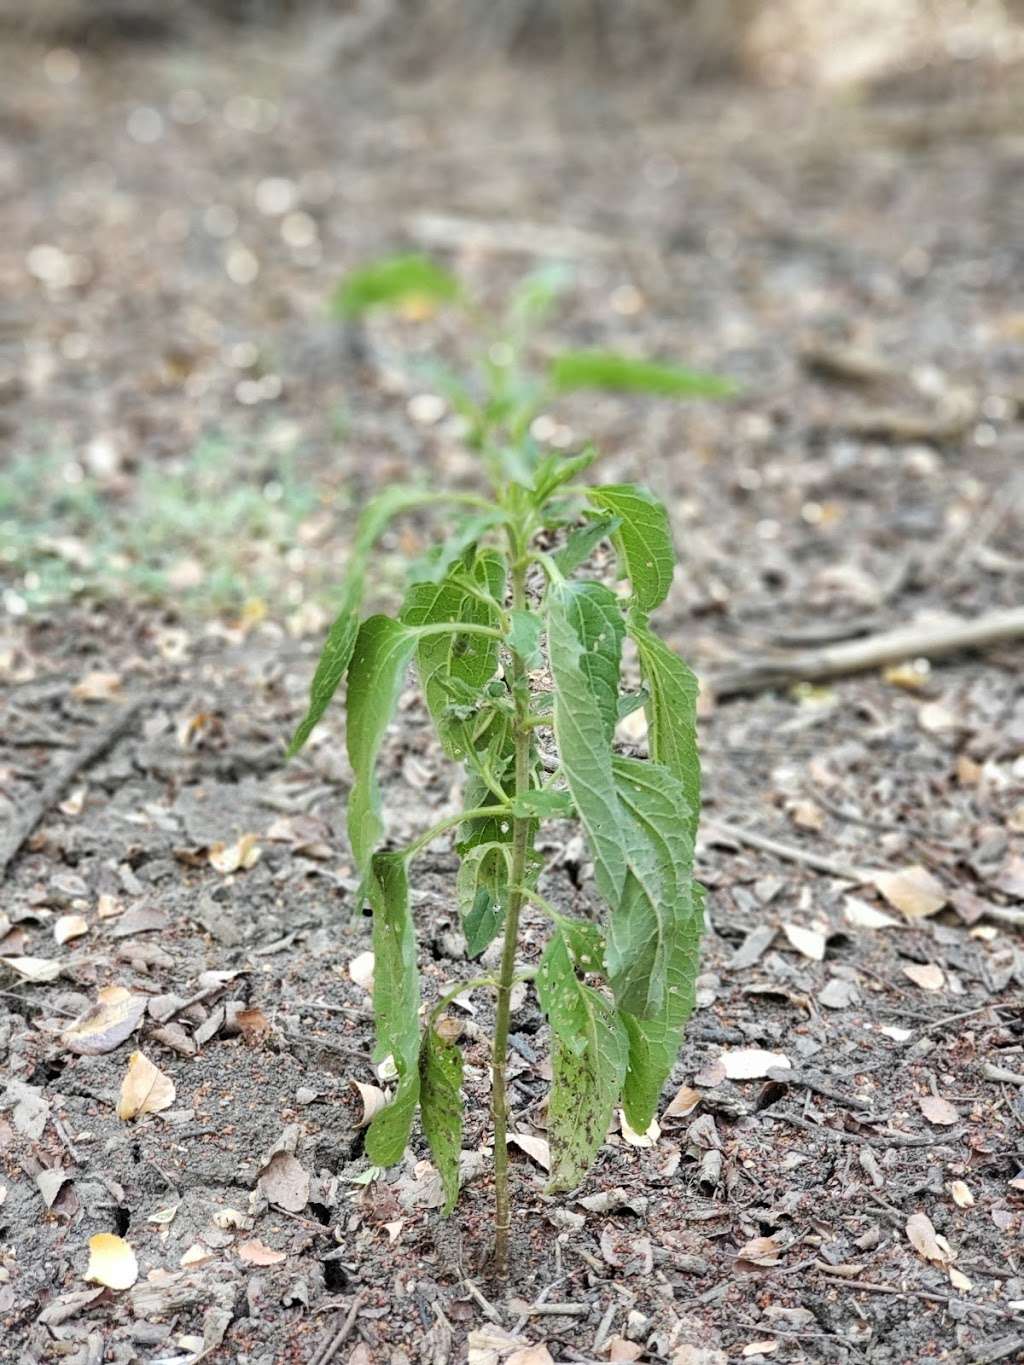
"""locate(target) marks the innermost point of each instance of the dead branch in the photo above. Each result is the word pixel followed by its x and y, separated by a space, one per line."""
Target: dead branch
pixel 930 640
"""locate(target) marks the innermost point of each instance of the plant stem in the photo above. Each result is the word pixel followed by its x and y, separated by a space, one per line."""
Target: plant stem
pixel 507 972
pixel 428 836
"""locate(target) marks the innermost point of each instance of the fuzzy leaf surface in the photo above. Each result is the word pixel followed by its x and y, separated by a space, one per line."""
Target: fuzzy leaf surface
pixel 594 614
pixel 441 1108
pixel 590 1049
pixel 331 668
pixel 671 711
pixel 396 1002
pixel 524 634
pixel 482 888
pixel 382 653
pixel 643 540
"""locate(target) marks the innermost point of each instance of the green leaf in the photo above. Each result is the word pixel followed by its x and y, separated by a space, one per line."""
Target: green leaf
pixel 551 804
pixel 654 1043
pixel 462 660
pixel 595 616
pixel 580 728
pixel 621 373
pixel 330 670
pixel 589 1054
pixel 630 702
pixel 671 711
pixel 583 541
pixel 382 653
pixel 393 282
pixel 337 652
pixel 643 540
pixel 441 1108
pixel 524 636
pixel 396 1003
pixel 482 888
pixel 434 565
pixel 656 905
pixel 556 470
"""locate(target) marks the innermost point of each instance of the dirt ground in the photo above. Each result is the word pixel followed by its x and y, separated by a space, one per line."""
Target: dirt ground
pixel 173 225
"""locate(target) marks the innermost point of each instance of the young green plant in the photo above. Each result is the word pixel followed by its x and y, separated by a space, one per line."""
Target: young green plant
pixel 519 656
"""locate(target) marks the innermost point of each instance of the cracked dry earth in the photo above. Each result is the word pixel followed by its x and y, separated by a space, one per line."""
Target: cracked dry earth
pixel 838 1171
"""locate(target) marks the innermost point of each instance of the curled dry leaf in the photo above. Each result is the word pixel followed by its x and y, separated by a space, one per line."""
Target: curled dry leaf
pixel 258 1253
pixel 111 1262
pixel 144 1090
pixel 360 969
pixel 106 1024
pixel 937 1110
pixel 962 1196
pixel 684 1102
pixel 36 969
pixel 926 975
pixel 760 1251
pixel 926 1241
pixel 373 1099
pixel 536 1147
pixel 69 926
pixel 912 890
pixel 760 1348
pixel 752 1063
pixel 808 942
pixel 244 853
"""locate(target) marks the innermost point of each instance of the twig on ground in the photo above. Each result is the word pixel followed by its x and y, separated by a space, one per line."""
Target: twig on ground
pixel 872 1287
pixel 486 1306
pixel 930 639
pixel 717 829
pixel 885 1139
pixel 334 1344
pixel 94 747
pixel 1000 1073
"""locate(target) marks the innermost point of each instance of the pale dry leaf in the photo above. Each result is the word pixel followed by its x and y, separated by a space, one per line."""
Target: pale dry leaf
pixel 107 906
pixel 244 853
pixel 69 926
pixel 531 1355
pixel 838 994
pixel 231 1218
pixel 164 1217
pixel 911 890
pixel 258 1253
pixel 962 1196
pixel 760 1348
pixel 75 802
pixel 937 1110
pixel 808 942
pixel 97 686
pixel 196 1254
pixel 927 975
pixel 752 1063
pixel 491 1344
pixel 806 815
pixel 105 1024
pixel 145 1089
pixel 50 1181
pixel 760 1251
pixel 864 916
pixel 683 1102
pixel 373 1099
pixel 111 1262
pixel 688 1354
pixel 632 729
pixel 537 1148
pixel 926 1241
pixel 394 1230
pixel 911 675
pixel 634 1139
pixel 897 1034
pixel 34 969
pixel 360 970
pixel 619 1349
pixel 284 1182
pixel 959 1280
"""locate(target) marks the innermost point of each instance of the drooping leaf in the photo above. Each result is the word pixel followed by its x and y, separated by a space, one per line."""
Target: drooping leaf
pixel 394 282
pixel 656 904
pixel 643 540
pixel 583 541
pixel 524 636
pixel 382 653
pixel 654 1042
pixel 594 614
pixel 610 371
pixel 585 756
pixel 396 1003
pixel 671 711
pixel 469 660
pixel 589 1051
pixel 341 639
pixel 441 1107
pixel 482 887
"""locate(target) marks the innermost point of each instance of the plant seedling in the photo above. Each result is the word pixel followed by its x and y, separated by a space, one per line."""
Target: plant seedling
pixel 518 654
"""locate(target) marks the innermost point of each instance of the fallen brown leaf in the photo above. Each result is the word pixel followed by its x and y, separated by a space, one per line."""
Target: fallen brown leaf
pixel 926 975
pixel 926 1241
pixel 912 890
pixel 937 1110
pixel 106 1024
pixel 144 1090
pixel 111 1262
pixel 258 1253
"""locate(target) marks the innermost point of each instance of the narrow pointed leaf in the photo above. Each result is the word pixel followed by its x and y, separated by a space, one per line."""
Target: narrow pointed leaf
pixel 382 653
pixel 396 1002
pixel 556 470
pixel 671 711
pixel 583 541
pixel 654 1043
pixel 643 540
pixel 589 1052
pixel 621 373
pixel 441 1108
pixel 393 282
pixel 334 661
pixel 434 565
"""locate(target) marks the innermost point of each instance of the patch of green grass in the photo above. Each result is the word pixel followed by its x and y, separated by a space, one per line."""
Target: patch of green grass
pixel 208 533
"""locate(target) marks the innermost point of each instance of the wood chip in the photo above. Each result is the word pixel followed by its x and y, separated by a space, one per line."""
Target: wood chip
pixel 926 975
